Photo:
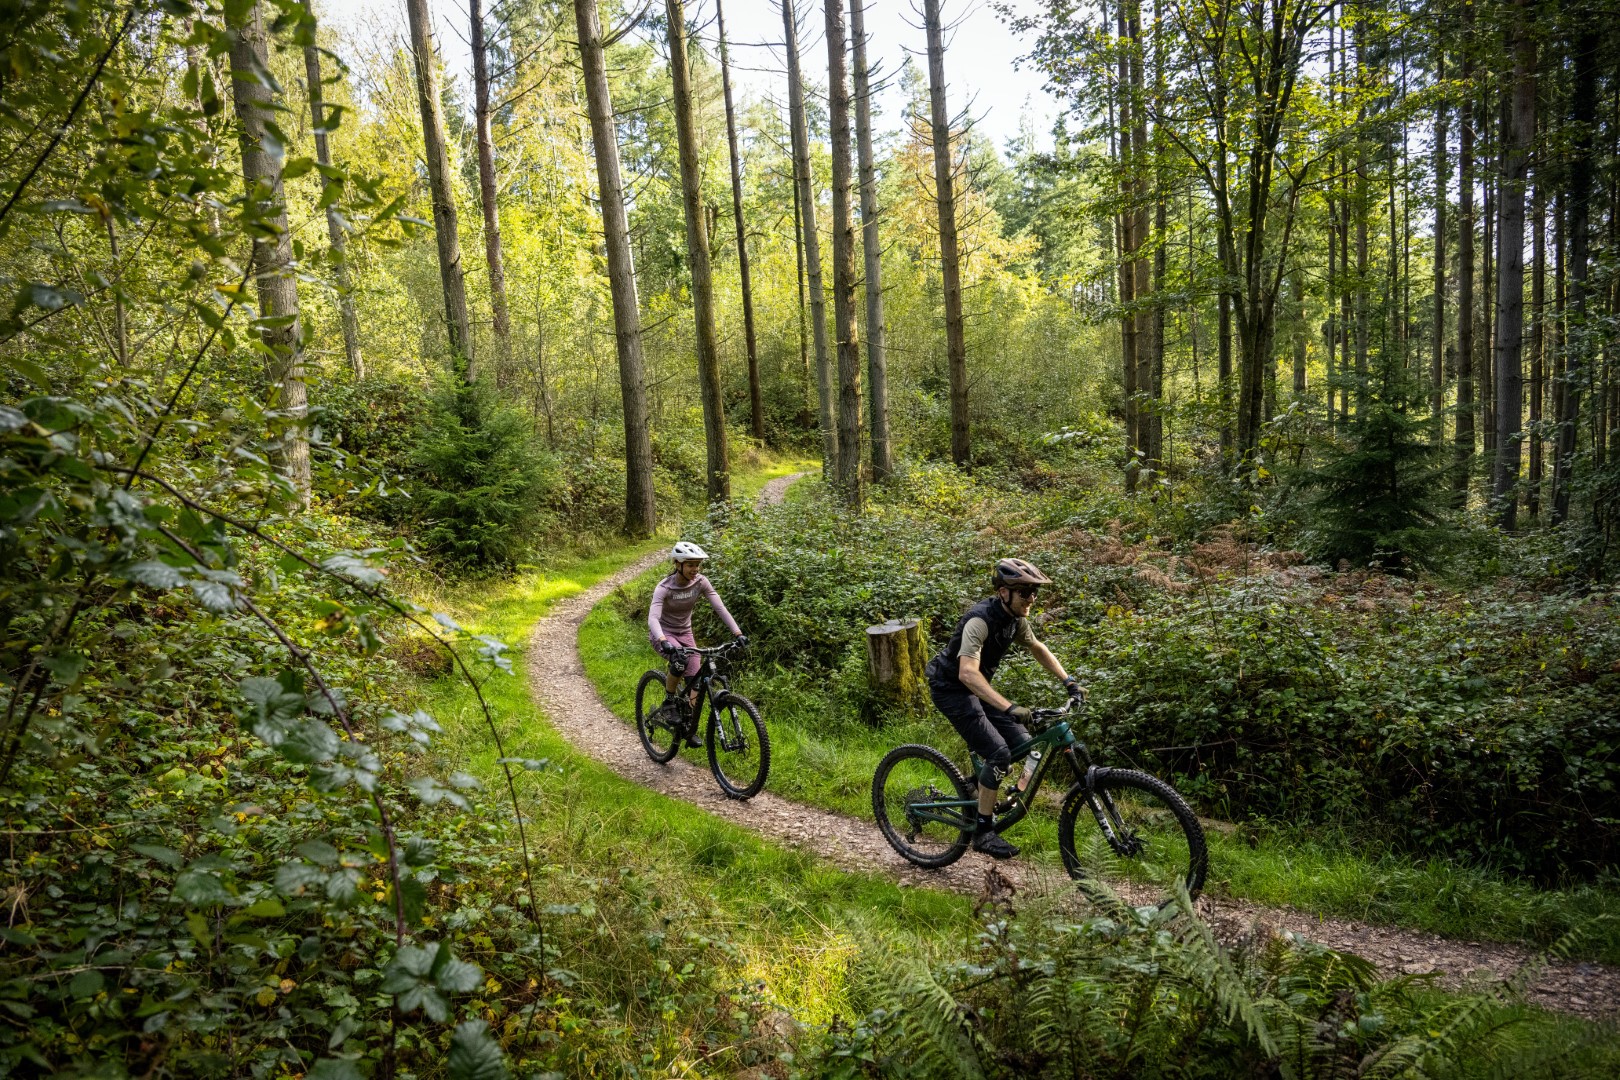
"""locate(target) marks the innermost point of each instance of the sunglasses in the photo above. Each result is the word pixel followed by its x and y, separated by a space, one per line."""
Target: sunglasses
pixel 1025 590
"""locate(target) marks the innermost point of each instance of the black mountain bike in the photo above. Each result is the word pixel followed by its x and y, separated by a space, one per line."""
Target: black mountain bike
pixel 1146 840
pixel 735 737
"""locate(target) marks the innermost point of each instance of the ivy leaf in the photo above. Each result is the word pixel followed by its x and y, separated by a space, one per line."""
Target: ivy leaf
pixel 474 1053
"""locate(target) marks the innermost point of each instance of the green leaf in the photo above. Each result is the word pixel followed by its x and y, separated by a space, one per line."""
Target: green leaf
pixel 454 975
pixel 268 908
pixel 86 984
pixel 67 666
pixel 474 1053
pixel 199 888
pixel 297 167
pixel 199 929
pixel 334 1069
pixel 213 595
pixel 308 742
pixel 318 852
pixel 164 855
pixel 153 574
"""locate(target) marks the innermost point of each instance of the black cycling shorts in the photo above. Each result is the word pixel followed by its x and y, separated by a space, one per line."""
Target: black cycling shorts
pixel 989 732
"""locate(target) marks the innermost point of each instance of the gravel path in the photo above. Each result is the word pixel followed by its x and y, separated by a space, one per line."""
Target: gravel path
pixel 558 683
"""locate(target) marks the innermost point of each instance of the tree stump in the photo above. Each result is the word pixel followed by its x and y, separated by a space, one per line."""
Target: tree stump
pixel 896 655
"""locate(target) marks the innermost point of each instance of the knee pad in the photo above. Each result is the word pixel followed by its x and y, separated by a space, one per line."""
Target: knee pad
pixel 995 769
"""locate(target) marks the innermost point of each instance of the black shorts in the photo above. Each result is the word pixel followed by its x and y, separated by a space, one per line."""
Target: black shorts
pixel 989 732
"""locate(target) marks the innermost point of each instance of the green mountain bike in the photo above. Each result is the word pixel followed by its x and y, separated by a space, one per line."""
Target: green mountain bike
pixel 1146 837
pixel 735 737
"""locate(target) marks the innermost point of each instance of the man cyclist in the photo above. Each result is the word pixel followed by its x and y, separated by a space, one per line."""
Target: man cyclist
pixel 959 682
pixel 669 619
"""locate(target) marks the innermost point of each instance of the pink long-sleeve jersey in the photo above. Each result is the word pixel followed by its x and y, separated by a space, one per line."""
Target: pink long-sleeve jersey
pixel 672 604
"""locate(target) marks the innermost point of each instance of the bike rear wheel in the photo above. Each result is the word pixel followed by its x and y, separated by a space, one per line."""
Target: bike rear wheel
pixel 906 780
pixel 1146 837
pixel 739 746
pixel 659 731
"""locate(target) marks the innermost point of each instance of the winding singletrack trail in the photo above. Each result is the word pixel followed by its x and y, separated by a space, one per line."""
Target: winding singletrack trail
pixel 558 684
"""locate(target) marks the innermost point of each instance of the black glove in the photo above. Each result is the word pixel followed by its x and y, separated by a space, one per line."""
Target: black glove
pixel 1077 693
pixel 670 649
pixel 1019 713
pixel 742 641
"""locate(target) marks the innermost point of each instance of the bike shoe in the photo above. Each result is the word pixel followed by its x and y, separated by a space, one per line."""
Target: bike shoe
pixel 692 741
pixel 992 844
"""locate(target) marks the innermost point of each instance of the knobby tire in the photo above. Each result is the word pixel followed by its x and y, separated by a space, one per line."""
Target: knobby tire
pixel 916 773
pixel 650 730
pixel 1151 811
pixel 740 772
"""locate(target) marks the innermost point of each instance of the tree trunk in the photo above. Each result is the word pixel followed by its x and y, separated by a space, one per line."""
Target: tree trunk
pixel 1538 340
pixel 444 201
pixel 640 512
pixel 1583 111
pixel 1362 212
pixel 486 189
pixel 1437 373
pixel 1509 357
pixel 949 257
pixel 812 244
pixel 1485 366
pixel 804 327
pixel 330 191
pixel 896 656
pixel 843 238
pixel 1223 371
pixel 1463 437
pixel 1301 335
pixel 1130 344
pixel 877 390
pixel 266 209
pixel 697 254
pixel 756 406
pixel 1331 333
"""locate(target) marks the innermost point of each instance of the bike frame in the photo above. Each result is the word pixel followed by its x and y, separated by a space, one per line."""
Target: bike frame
pixel 707 678
pixel 1058 739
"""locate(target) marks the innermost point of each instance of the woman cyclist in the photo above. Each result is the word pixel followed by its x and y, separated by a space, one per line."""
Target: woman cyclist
pixel 669 618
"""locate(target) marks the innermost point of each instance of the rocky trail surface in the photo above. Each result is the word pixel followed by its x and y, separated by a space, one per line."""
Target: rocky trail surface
pixel 560 687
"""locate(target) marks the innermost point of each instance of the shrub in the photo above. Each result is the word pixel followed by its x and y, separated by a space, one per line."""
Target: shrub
pixel 479 479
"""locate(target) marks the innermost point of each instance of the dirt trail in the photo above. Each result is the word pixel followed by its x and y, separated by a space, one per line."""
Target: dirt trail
pixel 558 683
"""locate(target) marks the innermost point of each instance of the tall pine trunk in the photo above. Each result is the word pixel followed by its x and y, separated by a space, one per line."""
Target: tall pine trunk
pixel 877 390
pixel 949 256
pixel 451 275
pixel 756 407
pixel 1463 437
pixel 1518 134
pixel 1129 242
pixel 812 243
pixel 1538 341
pixel 1437 371
pixel 1583 112
pixel 843 238
pixel 501 322
pixel 336 234
pixel 266 208
pixel 640 512
pixel 697 256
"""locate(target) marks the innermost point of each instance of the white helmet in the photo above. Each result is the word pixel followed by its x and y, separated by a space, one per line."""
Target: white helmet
pixel 687 550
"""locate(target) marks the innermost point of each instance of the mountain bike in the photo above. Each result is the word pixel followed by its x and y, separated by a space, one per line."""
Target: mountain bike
pixel 739 748
pixel 1146 840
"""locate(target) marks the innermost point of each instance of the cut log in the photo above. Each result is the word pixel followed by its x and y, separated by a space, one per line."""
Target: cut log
pixel 896 655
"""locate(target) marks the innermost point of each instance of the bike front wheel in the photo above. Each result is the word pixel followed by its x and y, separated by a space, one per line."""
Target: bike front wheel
pixel 658 729
pixel 923 806
pixel 739 746
pixel 1146 839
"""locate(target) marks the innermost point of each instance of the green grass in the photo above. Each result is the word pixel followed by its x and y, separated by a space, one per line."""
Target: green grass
pixel 824 757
